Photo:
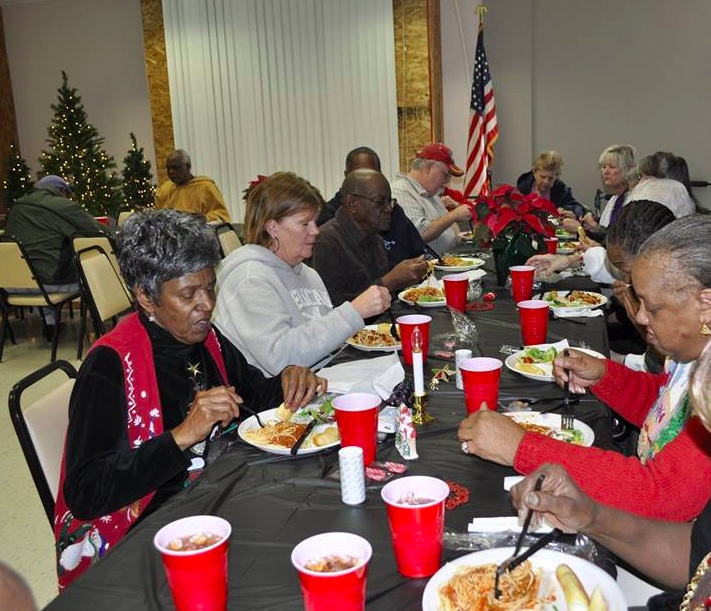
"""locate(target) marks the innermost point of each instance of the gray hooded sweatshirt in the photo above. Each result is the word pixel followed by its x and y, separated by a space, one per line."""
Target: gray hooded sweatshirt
pixel 278 315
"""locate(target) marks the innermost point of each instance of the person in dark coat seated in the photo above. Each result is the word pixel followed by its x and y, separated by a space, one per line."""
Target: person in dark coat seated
pixel 544 180
pixel 401 240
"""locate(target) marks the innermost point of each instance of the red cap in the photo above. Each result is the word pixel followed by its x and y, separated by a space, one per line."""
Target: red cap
pixel 438 152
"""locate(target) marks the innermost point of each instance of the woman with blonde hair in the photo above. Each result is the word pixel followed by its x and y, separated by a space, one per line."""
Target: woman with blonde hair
pixel 271 305
pixel 544 179
pixel 615 162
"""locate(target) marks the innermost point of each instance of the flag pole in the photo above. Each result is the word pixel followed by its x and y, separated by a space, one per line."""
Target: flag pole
pixel 482 10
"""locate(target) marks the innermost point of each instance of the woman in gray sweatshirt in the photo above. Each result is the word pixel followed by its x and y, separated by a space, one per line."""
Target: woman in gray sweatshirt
pixel 271 305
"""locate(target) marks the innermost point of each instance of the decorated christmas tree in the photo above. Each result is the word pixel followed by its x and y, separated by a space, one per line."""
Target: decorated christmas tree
pixel 138 188
pixel 75 153
pixel 18 179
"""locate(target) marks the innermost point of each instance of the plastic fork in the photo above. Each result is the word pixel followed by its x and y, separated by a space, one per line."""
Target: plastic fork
pixel 566 415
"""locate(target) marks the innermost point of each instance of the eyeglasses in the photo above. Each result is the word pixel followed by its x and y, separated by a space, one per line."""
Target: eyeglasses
pixel 381 204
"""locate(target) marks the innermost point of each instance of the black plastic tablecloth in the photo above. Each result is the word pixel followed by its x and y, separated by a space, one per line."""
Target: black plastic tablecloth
pixel 274 505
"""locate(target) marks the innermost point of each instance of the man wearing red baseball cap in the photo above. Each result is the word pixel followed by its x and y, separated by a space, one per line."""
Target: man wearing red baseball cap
pixel 418 192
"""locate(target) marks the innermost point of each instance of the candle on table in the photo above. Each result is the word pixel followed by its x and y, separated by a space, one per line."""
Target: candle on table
pixel 417 367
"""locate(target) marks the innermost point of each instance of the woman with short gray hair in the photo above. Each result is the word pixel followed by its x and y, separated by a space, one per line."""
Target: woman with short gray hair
pixel 151 393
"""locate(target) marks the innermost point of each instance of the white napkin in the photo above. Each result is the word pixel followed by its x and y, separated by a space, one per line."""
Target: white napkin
pixel 576 313
pixel 380 374
pixel 511 481
pixel 475 274
pixel 502 524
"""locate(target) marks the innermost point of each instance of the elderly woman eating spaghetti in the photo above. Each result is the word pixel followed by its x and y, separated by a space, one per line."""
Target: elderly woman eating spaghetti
pixel 668 479
pixel 152 391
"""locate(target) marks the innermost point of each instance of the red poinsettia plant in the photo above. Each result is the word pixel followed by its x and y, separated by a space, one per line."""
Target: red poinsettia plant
pixel 507 210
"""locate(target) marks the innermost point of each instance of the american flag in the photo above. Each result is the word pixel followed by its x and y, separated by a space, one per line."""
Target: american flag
pixel 483 128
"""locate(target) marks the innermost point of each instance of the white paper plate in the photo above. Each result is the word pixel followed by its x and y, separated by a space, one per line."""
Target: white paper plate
pixel 422 304
pixel 270 416
pixel 553 421
pixel 601 297
pixel 350 342
pixel 589 575
pixel 512 359
pixel 566 248
pixel 473 263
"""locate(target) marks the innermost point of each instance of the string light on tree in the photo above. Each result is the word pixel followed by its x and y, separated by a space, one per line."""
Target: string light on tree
pixel 138 188
pixel 18 179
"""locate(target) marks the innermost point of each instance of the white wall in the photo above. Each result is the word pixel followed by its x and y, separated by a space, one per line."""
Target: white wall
pixel 577 76
pixel 99 43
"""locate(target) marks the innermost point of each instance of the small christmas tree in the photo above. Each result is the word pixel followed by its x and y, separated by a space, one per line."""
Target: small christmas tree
pixel 76 154
pixel 18 179
pixel 138 188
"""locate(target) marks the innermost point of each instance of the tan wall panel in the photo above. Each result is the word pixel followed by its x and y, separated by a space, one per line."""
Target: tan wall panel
pixel 417 74
pixel 158 88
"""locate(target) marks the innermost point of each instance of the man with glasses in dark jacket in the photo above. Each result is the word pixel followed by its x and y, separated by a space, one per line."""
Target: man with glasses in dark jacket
pixel 349 254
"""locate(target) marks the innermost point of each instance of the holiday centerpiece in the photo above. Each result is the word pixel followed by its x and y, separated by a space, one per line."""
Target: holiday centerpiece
pixel 515 223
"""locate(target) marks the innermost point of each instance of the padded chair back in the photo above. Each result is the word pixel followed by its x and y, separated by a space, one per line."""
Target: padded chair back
pixel 228 238
pixel 41 428
pixel 103 290
pixel 81 241
pixel 123 216
pixel 15 273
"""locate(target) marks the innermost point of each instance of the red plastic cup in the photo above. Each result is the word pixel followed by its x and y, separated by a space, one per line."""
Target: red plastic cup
pixel 342 590
pixel 197 579
pixel 522 282
pixel 416 530
pixel 455 290
pixel 406 325
pixel 534 321
pixel 357 419
pixel 480 377
pixel 552 244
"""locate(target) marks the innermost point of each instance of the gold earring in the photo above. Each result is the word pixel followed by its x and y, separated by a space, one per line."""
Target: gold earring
pixel 705 330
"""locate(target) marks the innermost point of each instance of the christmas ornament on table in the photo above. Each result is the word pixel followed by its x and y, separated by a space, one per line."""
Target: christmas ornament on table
pixel 75 152
pixel 18 180
pixel 138 187
pixel 517 223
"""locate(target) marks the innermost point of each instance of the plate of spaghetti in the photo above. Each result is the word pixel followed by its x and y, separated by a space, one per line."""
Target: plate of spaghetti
pixel 374 338
pixel 549 425
pixel 277 437
pixel 451 263
pixel 468 583
pixel 425 296
pixel 583 300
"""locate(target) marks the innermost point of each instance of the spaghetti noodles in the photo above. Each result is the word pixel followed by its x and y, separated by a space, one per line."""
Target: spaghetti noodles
pixel 278 434
pixel 472 589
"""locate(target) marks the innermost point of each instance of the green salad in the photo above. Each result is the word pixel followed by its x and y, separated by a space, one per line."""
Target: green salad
pixel 540 356
pixel 321 409
pixel 429 298
pixel 574 436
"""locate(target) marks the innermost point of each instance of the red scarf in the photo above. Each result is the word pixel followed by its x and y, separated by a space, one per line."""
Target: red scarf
pixel 81 543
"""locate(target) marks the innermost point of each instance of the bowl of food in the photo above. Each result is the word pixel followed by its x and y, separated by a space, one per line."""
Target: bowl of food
pixel 425 296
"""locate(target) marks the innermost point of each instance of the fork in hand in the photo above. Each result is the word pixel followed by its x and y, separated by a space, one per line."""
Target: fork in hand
pixel 566 415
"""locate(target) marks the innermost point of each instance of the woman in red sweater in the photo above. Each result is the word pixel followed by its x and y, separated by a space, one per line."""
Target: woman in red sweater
pixel 669 478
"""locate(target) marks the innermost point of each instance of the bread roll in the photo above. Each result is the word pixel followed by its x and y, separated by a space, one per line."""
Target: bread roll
pixel 324 438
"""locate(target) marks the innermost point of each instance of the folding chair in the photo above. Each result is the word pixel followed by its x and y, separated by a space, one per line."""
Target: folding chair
pixel 104 294
pixel 84 239
pixel 41 428
pixel 17 272
pixel 228 238
pixel 123 215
